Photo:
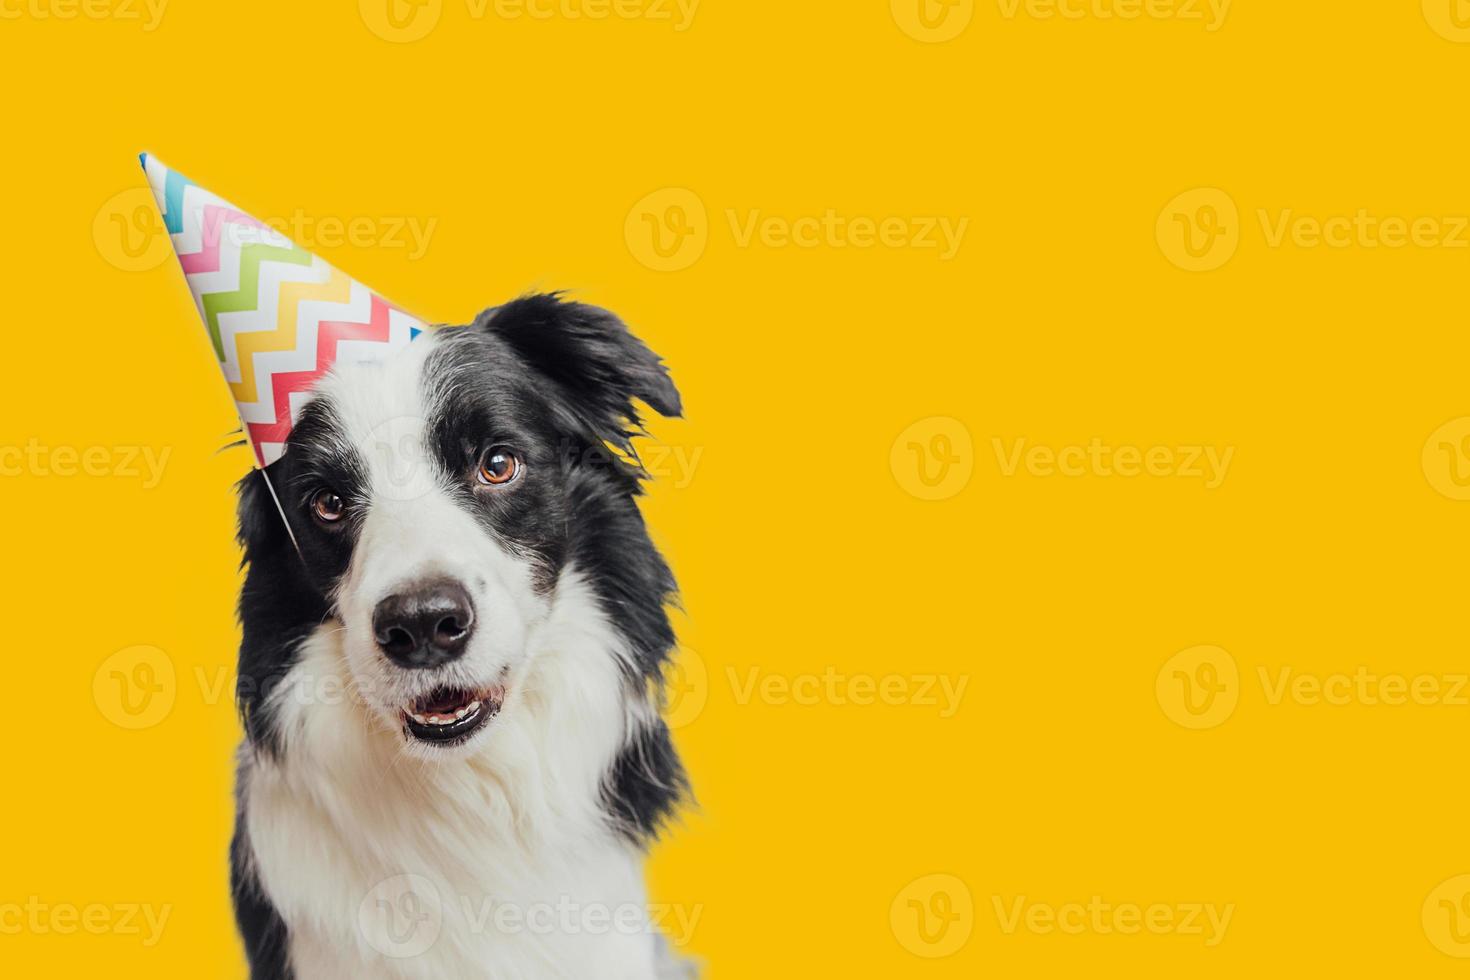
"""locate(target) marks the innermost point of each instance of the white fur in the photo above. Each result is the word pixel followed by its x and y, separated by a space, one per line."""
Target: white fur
pixel 391 859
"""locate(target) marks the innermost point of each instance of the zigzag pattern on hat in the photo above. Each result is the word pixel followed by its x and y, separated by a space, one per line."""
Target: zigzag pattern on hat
pixel 278 317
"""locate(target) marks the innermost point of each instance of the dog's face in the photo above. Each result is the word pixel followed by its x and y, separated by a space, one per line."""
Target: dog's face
pixel 435 499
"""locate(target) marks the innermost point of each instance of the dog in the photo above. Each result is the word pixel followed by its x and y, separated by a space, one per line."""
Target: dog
pixel 452 664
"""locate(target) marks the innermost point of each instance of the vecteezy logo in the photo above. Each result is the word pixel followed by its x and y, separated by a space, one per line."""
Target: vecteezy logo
pixel 668 229
pixel 1446 916
pixel 933 916
pixel 401 916
pixel 134 688
pixel 687 690
pixel 400 21
pixel 128 232
pixel 933 458
pixel 1198 687
pixel 1449 18
pixel 1199 229
pixel 933 21
pixel 403 463
pixel 1446 459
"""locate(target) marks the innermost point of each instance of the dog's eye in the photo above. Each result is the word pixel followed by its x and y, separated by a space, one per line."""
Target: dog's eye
pixel 498 466
pixel 328 507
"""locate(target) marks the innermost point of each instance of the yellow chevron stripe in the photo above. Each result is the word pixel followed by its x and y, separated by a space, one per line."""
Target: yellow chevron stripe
pixel 336 289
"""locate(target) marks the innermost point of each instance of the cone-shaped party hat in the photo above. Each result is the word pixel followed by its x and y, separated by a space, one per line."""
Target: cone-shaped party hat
pixel 279 317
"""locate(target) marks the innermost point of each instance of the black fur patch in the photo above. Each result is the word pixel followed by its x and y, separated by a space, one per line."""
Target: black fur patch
pixel 280 606
pixel 646 784
pixel 267 945
pixel 597 368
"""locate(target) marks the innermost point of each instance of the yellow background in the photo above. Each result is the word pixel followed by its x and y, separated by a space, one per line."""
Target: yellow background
pixel 1073 146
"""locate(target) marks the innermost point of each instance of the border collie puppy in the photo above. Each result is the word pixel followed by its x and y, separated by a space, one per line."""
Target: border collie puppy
pixel 451 691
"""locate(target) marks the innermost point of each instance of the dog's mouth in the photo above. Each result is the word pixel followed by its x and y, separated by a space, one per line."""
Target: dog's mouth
pixel 450 715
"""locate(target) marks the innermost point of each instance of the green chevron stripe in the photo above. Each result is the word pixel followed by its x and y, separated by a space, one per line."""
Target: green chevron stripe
pixel 247 297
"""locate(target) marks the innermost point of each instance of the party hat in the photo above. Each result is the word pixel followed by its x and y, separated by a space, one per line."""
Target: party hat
pixel 278 316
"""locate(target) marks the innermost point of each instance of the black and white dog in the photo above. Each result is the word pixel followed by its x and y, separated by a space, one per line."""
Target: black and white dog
pixel 451 694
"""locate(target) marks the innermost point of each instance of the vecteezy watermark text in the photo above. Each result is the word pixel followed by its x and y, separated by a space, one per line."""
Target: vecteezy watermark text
pixel 668 230
pixel 833 230
pixel 148 13
pixel 406 21
pixel 40 918
pixel 123 462
pixel 1097 459
pixel 403 916
pixel 1207 920
pixel 833 687
pixel 1210 13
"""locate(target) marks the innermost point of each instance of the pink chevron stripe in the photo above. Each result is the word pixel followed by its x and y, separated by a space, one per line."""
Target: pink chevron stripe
pixel 207 258
pixel 330 333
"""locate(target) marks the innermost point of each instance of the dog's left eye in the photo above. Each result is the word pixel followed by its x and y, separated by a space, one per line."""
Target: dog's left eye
pixel 328 507
pixel 498 466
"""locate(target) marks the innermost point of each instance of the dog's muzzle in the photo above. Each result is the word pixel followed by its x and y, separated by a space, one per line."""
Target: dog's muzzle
pixel 423 627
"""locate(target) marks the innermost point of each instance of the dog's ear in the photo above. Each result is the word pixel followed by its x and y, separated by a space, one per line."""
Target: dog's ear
pixel 590 355
pixel 260 530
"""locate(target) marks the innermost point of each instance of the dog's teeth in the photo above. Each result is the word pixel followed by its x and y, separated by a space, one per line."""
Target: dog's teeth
pixel 445 719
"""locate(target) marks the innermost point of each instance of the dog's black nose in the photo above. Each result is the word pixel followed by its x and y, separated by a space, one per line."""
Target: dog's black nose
pixel 425 626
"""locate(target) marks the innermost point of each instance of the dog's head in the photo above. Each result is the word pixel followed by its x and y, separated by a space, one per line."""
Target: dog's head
pixel 437 498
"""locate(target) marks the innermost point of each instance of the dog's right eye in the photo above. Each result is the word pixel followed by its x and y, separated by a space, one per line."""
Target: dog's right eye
pixel 498 466
pixel 327 507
